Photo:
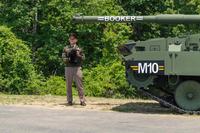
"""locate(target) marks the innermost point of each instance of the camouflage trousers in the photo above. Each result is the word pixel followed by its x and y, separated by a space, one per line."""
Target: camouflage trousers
pixel 74 74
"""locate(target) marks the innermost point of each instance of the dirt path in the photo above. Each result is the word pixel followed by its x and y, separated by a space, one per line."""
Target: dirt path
pixel 100 104
pixel 50 114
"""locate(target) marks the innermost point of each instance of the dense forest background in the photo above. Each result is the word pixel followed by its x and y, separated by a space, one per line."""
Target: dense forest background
pixel 34 32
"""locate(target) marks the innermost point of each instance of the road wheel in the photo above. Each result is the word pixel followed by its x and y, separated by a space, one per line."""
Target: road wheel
pixel 187 95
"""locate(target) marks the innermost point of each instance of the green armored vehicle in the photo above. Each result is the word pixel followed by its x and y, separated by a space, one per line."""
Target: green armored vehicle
pixel 166 69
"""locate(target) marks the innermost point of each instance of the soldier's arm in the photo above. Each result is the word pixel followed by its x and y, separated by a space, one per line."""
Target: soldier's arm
pixel 80 54
pixel 64 55
pixel 66 50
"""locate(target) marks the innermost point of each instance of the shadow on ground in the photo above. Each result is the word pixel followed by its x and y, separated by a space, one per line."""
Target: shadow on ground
pixel 130 107
pixel 142 107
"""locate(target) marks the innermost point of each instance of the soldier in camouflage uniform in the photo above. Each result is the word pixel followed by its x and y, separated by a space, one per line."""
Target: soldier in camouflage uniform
pixel 73 57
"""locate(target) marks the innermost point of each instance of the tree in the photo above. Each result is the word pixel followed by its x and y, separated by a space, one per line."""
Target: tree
pixel 45 26
pixel 153 7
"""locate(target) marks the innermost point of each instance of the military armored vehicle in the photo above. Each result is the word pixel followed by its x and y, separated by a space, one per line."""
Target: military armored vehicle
pixel 165 69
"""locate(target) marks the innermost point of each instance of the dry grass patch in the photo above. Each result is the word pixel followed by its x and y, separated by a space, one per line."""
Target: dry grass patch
pixel 93 103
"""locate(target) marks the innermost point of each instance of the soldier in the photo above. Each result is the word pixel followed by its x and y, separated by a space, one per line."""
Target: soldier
pixel 73 57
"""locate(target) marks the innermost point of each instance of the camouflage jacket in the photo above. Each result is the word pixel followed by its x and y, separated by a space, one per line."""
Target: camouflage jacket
pixel 70 56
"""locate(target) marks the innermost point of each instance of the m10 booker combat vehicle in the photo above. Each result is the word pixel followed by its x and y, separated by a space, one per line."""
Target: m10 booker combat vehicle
pixel 166 69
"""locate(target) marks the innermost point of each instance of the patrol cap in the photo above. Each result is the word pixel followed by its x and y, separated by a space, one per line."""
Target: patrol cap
pixel 73 35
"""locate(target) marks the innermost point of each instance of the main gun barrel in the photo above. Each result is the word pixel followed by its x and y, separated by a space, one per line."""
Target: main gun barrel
pixel 165 18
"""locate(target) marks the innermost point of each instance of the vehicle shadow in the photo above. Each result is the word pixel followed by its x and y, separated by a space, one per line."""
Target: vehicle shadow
pixel 143 107
pixel 129 107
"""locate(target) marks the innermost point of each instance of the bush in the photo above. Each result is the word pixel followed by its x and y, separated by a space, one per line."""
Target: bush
pixel 107 81
pixel 55 85
pixel 16 70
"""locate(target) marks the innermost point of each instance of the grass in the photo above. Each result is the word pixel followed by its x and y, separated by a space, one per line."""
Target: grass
pixel 93 103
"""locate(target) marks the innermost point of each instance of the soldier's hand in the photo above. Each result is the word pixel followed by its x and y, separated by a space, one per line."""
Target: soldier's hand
pixel 78 53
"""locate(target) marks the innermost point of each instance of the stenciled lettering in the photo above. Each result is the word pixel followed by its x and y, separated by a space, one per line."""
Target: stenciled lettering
pixel 142 68
pixel 119 18
pixel 145 68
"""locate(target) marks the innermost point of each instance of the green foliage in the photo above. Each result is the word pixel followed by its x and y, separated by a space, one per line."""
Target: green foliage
pixel 153 7
pixel 106 36
pixel 16 70
pixel 55 85
pixel 114 35
pixel 43 27
pixel 107 81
